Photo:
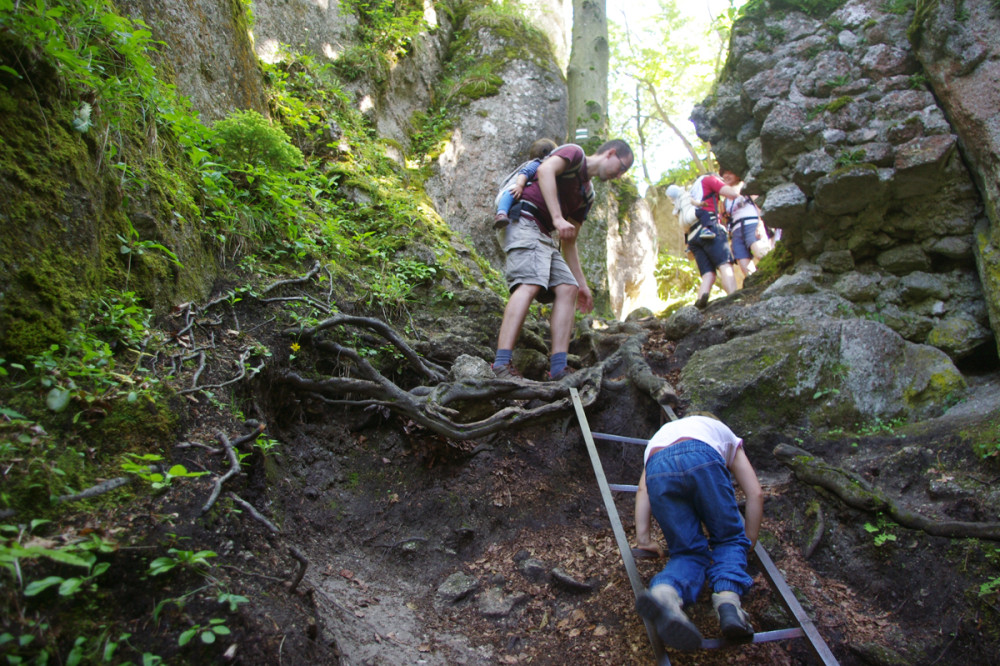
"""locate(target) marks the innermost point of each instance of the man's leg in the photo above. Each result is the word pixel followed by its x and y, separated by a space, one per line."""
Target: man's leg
pixel 514 315
pixel 727 539
pixel 563 314
pixel 704 289
pixel 681 579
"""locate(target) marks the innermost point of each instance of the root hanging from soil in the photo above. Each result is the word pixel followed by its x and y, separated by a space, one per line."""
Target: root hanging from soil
pixel 857 493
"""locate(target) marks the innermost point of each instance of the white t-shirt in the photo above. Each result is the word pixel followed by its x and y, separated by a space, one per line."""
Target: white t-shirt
pixel 741 208
pixel 714 433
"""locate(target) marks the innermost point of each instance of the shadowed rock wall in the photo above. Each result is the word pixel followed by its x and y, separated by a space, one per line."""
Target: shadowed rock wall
pixel 831 119
pixel 961 56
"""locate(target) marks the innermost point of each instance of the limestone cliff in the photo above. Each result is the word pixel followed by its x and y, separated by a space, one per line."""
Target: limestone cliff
pixel 831 119
pixel 959 51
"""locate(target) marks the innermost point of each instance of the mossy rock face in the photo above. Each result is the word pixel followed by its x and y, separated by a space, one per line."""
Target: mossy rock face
pixel 63 222
pixel 849 190
pixel 49 253
pixel 828 373
pixel 148 423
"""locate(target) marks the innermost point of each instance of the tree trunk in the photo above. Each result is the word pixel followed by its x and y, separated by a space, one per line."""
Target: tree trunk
pixel 587 74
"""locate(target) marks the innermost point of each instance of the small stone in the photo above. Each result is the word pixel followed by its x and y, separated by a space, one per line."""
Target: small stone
pixel 569 583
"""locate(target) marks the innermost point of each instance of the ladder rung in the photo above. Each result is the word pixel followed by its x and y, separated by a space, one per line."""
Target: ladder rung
pixel 619 438
pixel 759 637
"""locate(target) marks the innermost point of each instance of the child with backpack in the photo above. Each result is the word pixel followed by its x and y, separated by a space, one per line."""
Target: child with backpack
pixel 516 180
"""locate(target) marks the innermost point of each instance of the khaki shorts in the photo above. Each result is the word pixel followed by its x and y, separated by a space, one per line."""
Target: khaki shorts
pixel 534 258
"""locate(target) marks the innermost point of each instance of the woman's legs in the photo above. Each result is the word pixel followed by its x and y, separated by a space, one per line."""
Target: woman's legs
pixel 727 278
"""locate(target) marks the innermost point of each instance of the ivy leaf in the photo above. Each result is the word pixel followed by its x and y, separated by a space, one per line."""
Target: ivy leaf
pixel 81 118
pixel 57 399
pixel 70 586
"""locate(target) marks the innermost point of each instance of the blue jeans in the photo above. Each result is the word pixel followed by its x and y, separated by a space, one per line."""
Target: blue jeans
pixel 688 485
pixel 710 254
pixel 505 201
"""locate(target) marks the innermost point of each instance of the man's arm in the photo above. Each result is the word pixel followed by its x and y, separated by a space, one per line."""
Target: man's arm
pixel 546 174
pixel 584 300
pixel 747 478
pixel 731 191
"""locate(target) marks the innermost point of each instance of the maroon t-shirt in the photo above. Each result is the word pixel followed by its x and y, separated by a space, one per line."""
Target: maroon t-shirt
pixel 573 187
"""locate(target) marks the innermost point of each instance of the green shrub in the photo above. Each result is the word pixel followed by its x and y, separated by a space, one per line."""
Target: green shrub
pixel 676 277
pixel 850 157
pixel 246 137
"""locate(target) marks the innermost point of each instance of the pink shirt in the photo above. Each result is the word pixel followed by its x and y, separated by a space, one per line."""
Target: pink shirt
pixel 714 433
pixel 710 186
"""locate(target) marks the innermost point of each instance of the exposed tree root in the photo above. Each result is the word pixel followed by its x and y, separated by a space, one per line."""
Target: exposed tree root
pixel 438 405
pixel 817 532
pixel 234 464
pixel 859 494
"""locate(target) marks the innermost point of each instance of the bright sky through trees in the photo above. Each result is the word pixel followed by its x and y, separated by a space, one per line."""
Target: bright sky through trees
pixel 666 52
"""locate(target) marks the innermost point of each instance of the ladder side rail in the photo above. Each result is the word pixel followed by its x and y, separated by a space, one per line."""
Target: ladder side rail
pixel 616 524
pixel 819 647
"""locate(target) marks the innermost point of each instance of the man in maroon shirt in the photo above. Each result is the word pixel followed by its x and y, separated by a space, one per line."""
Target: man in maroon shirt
pixel 556 204
pixel 713 254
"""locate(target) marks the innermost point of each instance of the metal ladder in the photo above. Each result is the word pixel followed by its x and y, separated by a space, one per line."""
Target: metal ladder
pixel 805 629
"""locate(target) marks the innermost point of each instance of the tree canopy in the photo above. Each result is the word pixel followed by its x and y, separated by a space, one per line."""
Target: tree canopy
pixel 660 67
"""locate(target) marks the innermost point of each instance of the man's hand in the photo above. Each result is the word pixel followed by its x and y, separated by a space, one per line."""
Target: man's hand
pixel 567 230
pixel 584 299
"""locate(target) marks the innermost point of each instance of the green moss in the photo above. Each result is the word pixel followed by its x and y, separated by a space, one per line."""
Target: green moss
pixel 863 166
pixel 767 8
pixel 923 9
pixel 146 424
pixel 772 266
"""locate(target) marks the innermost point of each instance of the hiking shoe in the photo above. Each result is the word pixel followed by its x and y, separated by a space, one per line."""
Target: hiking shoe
pixel 702 302
pixel 507 372
pixel 561 375
pixel 733 620
pixel 500 221
pixel 662 607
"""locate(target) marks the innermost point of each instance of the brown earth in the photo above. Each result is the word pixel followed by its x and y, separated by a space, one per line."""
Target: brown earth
pixel 384 513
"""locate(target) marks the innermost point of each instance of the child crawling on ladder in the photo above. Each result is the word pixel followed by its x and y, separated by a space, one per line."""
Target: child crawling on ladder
pixel 685 483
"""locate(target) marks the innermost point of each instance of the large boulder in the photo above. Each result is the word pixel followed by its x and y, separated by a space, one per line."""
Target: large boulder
pixel 824 373
pixel 491 137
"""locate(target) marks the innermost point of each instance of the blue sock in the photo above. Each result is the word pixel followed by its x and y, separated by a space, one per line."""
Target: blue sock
pixel 503 357
pixel 558 363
